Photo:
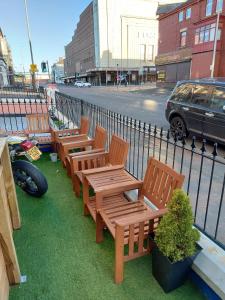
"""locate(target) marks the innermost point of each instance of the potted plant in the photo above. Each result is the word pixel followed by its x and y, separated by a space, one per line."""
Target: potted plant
pixel 175 240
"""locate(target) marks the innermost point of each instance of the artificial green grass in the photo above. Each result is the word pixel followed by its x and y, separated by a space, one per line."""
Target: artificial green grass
pixel 57 251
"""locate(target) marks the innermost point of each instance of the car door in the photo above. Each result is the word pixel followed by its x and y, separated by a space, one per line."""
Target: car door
pixel 214 119
pixel 200 101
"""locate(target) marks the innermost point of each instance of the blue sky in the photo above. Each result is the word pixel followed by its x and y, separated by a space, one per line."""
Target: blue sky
pixel 52 24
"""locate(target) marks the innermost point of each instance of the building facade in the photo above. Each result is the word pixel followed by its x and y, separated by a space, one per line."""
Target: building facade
pixel 114 38
pixel 187 41
pixel 3 73
pixel 57 73
pixel 5 53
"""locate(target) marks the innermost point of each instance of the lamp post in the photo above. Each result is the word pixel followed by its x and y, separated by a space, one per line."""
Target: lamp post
pixel 30 45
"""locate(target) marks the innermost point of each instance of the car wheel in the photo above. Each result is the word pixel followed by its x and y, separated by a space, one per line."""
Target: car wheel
pixel 178 128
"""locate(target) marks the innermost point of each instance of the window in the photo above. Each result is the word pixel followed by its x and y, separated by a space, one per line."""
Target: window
pixel 206 34
pixel 188 13
pixel 218 99
pixel 183 37
pixel 219 5
pixel 182 93
pixel 209 5
pixel 149 52
pixel 212 32
pixel 142 52
pixel 201 95
pixel 181 16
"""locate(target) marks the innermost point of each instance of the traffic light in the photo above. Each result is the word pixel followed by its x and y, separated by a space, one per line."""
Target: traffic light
pixel 44 67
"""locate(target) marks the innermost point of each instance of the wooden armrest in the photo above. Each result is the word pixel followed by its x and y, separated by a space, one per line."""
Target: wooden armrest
pixel 78 144
pixel 100 170
pixel 119 188
pixel 92 151
pixel 65 131
pixel 82 157
pixel 72 138
pixel 138 218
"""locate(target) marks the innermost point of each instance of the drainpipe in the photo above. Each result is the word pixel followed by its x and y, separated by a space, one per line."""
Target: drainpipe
pixel 214 46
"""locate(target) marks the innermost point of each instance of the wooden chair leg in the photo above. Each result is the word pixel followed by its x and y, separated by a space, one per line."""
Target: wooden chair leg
pixel 76 185
pixel 99 228
pixel 68 168
pixel 119 254
pixel 85 196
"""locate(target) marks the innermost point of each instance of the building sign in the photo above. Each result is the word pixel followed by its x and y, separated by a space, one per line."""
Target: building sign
pixel 161 75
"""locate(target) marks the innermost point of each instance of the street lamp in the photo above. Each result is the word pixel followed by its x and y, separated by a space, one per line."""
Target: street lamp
pixel 29 38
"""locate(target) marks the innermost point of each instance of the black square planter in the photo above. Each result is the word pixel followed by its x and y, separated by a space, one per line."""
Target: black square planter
pixel 170 275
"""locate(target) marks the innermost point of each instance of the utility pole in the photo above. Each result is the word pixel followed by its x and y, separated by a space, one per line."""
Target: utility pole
pixel 215 46
pixel 29 38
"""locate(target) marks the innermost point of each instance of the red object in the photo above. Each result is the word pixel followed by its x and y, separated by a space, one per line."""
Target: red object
pixel 26 145
pixel 196 57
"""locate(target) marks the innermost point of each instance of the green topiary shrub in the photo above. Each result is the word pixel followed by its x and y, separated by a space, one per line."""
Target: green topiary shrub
pixel 175 236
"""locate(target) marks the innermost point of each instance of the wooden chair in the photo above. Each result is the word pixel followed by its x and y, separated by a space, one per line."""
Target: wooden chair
pixel 68 135
pixel 39 124
pixel 97 145
pixel 116 157
pixel 131 222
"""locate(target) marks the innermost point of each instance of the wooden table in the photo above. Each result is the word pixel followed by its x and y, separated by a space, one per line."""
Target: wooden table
pixel 104 181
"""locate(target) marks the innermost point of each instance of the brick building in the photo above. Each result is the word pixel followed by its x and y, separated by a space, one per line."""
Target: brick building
pixel 186 40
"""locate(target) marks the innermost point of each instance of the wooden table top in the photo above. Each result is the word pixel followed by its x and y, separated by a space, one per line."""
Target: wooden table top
pixel 111 178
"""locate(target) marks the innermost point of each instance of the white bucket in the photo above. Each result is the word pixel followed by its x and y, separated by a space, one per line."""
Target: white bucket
pixel 53 157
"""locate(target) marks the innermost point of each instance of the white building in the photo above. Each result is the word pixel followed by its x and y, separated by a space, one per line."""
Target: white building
pixel 114 36
pixel 3 73
pixel 58 71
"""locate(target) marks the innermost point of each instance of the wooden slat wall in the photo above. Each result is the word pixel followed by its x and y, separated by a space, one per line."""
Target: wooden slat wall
pixel 4 282
pixel 9 220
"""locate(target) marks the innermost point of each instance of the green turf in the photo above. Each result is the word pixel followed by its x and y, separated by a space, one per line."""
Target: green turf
pixel 57 251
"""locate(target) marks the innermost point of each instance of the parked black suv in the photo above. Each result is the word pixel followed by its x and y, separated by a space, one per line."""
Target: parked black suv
pixel 198 107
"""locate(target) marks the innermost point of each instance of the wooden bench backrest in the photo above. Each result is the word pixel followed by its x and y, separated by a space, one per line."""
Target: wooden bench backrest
pixel 84 125
pixel 100 137
pixel 118 151
pixel 38 123
pixel 159 183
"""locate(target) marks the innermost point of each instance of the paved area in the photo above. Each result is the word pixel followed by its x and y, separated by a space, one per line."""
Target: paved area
pixel 145 103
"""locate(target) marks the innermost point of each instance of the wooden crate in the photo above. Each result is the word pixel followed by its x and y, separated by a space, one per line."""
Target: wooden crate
pixel 9 220
pixel 4 282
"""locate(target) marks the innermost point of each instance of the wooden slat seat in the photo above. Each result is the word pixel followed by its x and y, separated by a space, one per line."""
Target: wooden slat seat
pixel 129 222
pixel 38 125
pixel 116 156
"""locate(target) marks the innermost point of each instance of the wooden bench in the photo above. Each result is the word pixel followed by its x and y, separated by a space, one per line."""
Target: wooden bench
pixel 116 156
pixel 129 222
pixel 97 145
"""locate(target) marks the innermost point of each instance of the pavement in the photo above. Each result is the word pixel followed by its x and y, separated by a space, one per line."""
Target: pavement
pixel 145 103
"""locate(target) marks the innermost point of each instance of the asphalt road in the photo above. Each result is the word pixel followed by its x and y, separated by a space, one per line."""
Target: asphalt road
pixel 145 104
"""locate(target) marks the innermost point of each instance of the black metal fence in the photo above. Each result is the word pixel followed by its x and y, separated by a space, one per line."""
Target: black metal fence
pixel 202 165
pixel 18 92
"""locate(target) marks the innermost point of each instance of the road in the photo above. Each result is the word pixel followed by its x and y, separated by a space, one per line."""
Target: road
pixel 147 105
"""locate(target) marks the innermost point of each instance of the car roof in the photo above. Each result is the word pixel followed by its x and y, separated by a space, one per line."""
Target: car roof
pixel 208 81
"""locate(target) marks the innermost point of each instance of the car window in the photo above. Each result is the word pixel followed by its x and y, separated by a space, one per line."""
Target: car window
pixel 218 99
pixel 201 95
pixel 182 93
